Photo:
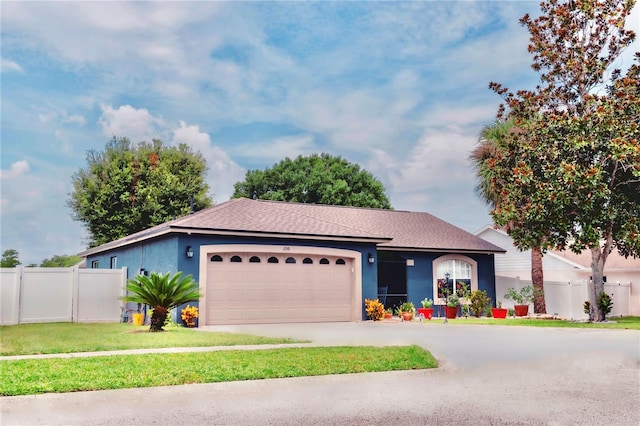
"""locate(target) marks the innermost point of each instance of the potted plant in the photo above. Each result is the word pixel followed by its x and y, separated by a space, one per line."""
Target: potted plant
pixel 406 311
pixel 499 312
pixel 374 309
pixel 190 316
pixel 451 309
pixel 478 302
pixel 521 299
pixel 388 313
pixel 427 308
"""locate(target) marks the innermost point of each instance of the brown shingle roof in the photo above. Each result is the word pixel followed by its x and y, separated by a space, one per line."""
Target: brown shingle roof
pixel 389 228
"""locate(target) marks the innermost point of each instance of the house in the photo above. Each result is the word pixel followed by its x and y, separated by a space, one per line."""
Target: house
pixel 264 261
pixel 565 266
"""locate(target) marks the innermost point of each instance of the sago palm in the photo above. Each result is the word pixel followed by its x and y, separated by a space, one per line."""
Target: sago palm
pixel 489 148
pixel 162 293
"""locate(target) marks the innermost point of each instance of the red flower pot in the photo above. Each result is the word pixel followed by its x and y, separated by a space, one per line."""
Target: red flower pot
pixel 407 316
pixel 499 312
pixel 426 312
pixel 521 310
pixel 450 312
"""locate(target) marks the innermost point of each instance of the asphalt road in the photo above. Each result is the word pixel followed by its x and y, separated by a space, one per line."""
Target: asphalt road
pixel 489 376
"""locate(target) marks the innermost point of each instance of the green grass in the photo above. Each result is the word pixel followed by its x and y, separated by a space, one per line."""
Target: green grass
pixel 55 338
pixel 631 323
pixel 25 377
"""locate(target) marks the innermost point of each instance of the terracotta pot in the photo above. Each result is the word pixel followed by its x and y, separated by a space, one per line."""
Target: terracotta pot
pixel 450 312
pixel 426 312
pixel 388 316
pixel 521 310
pixel 407 316
pixel 499 312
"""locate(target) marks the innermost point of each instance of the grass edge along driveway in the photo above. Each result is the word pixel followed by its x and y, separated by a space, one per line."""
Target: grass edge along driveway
pixel 26 377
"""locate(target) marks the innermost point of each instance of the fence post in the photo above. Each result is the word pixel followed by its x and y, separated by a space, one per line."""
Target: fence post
pixel 18 294
pixel 75 294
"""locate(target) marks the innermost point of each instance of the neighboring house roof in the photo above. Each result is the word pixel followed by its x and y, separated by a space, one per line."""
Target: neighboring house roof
pixel 390 229
pixel 580 261
pixel 614 261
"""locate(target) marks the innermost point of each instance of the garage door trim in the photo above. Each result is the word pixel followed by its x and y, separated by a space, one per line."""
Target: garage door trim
pixel 207 251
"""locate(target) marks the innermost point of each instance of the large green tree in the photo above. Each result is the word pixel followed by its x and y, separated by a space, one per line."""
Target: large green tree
pixel 490 148
pixel 10 258
pixel 320 179
pixel 130 187
pixel 569 176
pixel 61 261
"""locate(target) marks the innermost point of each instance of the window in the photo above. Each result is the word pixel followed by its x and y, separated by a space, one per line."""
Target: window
pixel 273 259
pixel 290 260
pixel 95 264
pixel 254 259
pixel 236 259
pixel 324 261
pixel 307 260
pixel 113 262
pixel 340 262
pixel 454 274
pixel 216 258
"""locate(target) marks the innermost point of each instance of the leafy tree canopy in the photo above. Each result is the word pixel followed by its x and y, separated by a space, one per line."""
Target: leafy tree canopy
pixel 10 259
pixel 61 261
pixel 127 188
pixel 568 172
pixel 320 179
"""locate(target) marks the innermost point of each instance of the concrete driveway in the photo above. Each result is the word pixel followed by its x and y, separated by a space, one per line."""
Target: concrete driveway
pixel 490 376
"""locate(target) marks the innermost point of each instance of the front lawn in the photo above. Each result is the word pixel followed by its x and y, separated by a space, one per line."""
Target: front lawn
pixel 24 377
pixel 53 338
pixel 631 323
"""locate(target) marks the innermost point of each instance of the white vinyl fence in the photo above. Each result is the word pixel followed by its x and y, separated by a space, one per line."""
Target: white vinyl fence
pixel 35 295
pixel 566 299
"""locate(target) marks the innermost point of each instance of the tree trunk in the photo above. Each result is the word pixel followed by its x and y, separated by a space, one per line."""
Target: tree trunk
pixel 537 278
pixel 598 259
pixel 158 318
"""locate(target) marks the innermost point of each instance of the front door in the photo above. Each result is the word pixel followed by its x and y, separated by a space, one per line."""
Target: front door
pixel 392 273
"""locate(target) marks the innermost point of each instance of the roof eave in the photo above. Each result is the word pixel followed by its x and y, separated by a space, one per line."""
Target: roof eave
pixel 442 249
pixel 228 232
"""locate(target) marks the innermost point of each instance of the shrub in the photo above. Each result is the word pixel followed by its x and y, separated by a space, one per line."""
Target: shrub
pixel 374 309
pixel 605 304
pixel 189 315
pixel 522 297
pixel 479 302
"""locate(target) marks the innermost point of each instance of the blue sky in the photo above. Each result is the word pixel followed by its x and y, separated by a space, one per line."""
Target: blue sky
pixel 397 87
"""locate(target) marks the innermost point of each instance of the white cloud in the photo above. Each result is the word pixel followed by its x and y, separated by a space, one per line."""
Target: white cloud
pixel 223 171
pixel 17 169
pixel 75 119
pixel 272 151
pixel 10 66
pixel 127 121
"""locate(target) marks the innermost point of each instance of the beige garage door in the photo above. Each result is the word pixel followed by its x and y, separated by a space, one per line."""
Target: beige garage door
pixel 245 288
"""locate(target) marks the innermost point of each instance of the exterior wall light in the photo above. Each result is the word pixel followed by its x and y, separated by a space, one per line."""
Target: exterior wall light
pixel 371 259
pixel 189 252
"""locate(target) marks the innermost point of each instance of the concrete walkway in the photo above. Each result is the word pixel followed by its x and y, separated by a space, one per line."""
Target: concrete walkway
pixel 491 376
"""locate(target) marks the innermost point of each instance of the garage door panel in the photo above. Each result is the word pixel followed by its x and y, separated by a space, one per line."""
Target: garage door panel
pixel 263 292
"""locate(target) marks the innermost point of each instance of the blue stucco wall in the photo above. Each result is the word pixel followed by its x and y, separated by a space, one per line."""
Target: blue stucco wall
pixel 420 276
pixel 167 254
